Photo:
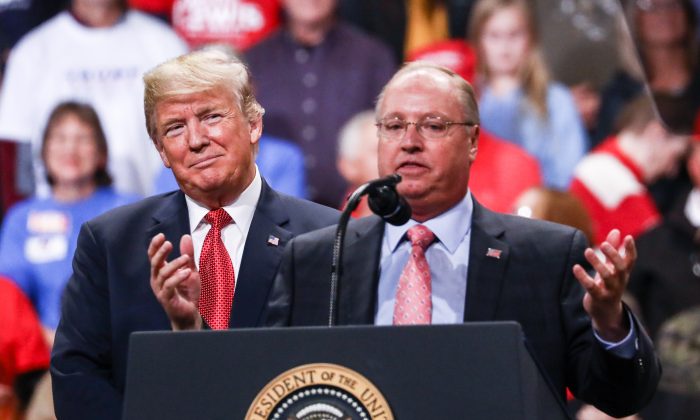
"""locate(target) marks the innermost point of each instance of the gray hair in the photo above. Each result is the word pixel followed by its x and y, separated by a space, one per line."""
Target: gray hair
pixel 199 71
pixel 349 137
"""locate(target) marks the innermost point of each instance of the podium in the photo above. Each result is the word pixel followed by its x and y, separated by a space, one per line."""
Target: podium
pixel 464 371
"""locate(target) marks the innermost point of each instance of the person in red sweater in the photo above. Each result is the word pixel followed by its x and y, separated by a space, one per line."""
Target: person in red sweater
pixel 612 180
pixel 24 354
pixel 502 173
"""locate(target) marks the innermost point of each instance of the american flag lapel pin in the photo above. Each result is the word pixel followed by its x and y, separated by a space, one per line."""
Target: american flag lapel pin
pixel 494 253
pixel 273 240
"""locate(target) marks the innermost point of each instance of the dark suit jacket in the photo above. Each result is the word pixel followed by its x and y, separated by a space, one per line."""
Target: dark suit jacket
pixel 532 282
pixel 109 295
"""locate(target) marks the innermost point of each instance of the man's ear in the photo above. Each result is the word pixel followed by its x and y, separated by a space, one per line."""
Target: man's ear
pixel 474 147
pixel 256 127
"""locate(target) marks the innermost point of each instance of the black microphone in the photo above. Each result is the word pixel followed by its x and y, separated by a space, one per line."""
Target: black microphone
pixel 386 202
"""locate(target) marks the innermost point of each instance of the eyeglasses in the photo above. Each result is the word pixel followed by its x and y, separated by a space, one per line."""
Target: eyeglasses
pixel 432 128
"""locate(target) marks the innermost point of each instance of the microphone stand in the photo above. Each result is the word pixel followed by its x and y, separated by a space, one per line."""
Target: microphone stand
pixel 385 202
pixel 336 269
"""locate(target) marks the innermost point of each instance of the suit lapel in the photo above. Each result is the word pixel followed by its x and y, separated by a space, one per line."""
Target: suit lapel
pixel 360 271
pixel 261 258
pixel 488 258
pixel 171 219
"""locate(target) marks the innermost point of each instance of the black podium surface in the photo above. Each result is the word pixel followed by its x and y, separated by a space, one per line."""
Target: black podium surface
pixel 465 371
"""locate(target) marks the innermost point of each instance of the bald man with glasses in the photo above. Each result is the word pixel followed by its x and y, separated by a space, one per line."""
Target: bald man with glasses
pixel 456 261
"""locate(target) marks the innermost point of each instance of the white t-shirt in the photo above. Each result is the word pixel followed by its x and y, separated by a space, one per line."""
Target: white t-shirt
pixel 64 60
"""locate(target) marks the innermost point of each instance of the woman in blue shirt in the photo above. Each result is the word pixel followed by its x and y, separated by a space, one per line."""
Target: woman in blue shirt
pixel 38 236
pixel 518 102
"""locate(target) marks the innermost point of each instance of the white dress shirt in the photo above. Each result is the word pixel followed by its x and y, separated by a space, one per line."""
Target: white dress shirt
pixel 234 235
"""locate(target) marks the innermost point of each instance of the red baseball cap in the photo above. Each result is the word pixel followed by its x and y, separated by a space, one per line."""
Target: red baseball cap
pixel 455 54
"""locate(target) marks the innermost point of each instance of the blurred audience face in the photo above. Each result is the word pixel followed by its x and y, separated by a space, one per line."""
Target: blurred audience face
pixel 71 154
pixel 207 142
pixel 664 150
pixel 309 12
pixel 505 41
pixel 100 3
pixel 98 13
pixel 661 22
pixel 435 171
pixel 357 158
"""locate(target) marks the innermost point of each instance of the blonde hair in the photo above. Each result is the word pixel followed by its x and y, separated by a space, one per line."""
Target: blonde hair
pixel 555 206
pixel 199 71
pixel 464 90
pixel 533 74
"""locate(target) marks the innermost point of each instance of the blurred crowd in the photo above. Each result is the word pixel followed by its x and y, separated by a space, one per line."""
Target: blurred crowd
pixel 619 152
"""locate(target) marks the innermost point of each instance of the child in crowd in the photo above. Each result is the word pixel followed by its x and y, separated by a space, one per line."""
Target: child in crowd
pixel 518 101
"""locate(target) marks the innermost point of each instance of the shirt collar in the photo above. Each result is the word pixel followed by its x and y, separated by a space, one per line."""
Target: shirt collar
pixel 449 227
pixel 241 210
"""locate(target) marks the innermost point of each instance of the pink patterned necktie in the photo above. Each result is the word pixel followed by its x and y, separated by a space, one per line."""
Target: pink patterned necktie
pixel 216 273
pixel 413 305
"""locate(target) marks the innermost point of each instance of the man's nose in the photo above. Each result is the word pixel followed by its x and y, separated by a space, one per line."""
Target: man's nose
pixel 412 140
pixel 197 136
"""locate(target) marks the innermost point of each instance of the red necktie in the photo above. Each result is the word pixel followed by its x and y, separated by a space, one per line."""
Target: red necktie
pixel 216 273
pixel 413 304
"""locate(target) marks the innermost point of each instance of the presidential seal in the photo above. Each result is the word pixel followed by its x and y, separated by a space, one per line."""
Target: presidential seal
pixel 319 391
